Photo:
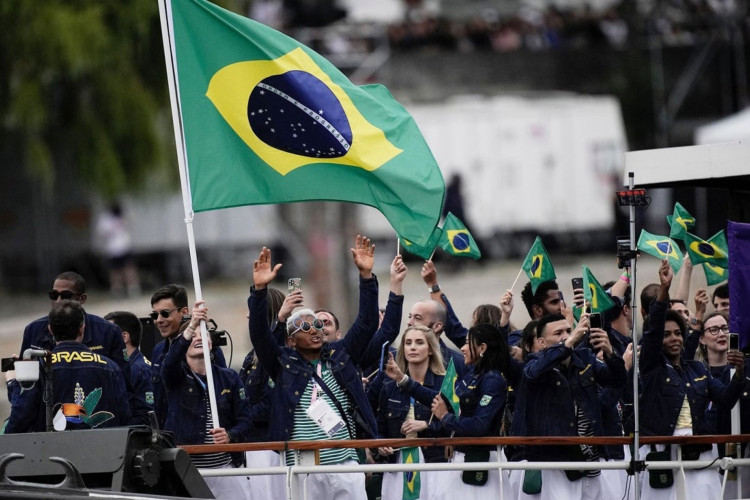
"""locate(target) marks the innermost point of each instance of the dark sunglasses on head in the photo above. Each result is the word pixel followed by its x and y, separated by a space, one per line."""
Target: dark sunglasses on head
pixel 164 313
pixel 65 294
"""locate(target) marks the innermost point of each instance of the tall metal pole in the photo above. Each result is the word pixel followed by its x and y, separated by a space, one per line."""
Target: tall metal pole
pixel 634 337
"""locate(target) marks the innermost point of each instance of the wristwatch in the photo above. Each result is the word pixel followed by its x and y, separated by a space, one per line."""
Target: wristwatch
pixel 434 288
pixel 694 322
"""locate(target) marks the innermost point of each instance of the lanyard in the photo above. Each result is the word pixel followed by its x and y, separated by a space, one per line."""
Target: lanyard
pixel 319 371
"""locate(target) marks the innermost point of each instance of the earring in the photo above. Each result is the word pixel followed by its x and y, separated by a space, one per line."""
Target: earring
pixel 481 354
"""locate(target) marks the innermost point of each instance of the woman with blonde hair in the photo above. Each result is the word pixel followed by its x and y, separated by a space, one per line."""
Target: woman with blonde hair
pixel 399 415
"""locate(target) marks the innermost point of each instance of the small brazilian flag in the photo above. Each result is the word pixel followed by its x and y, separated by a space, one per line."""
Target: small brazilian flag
pixel 448 388
pixel 594 294
pixel 661 247
pixel 714 274
pixel 680 222
pixel 267 120
pixel 714 251
pixel 457 240
pixel 412 481
pixel 537 265
pixel 423 251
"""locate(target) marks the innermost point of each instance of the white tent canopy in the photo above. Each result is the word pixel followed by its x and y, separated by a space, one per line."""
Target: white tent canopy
pixel 724 165
pixel 730 129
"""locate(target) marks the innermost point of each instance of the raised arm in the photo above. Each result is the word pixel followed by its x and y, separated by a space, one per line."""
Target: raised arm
pixel 686 273
pixel 170 369
pixel 651 346
pixel 263 341
pixel 389 327
pixel 366 323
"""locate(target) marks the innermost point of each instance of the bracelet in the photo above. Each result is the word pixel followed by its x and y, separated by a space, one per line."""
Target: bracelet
pixel 625 277
pixel 401 383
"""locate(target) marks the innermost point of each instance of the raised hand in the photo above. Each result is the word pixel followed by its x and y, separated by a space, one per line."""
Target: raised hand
pixel 363 254
pixel 701 300
pixel 291 302
pixel 429 273
pixel 506 307
pixel 392 369
pixel 600 341
pixel 263 271
pixel 665 274
pixel 398 273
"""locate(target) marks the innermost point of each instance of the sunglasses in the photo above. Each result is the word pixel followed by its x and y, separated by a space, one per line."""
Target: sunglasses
pixel 164 313
pixel 306 326
pixel 65 294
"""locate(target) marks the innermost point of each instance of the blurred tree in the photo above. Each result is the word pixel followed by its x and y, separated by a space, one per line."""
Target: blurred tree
pixel 83 85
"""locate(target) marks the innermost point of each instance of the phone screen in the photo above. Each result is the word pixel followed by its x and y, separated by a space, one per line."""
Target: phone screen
pixel 595 320
pixel 384 355
pixel 734 342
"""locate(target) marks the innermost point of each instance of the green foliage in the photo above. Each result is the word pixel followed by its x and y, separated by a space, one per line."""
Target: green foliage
pixel 83 84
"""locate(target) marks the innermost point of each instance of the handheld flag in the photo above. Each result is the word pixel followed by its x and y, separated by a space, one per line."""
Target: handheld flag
pixel 661 247
pixel 267 120
pixel 457 240
pixel 739 285
pixel 680 222
pixel 714 251
pixel 412 480
pixel 537 265
pixel 448 388
pixel 594 294
pixel 714 274
pixel 423 251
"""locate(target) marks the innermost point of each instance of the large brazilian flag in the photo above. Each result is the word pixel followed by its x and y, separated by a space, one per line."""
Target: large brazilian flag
pixel 268 120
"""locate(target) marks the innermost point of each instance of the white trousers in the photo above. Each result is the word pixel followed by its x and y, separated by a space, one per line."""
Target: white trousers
pixel 348 486
pixel 269 486
pixel 229 487
pixel 699 484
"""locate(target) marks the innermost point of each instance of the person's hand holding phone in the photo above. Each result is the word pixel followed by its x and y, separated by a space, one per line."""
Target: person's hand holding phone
pixel 599 341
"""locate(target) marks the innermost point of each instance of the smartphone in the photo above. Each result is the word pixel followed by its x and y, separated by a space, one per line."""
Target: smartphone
pixel 294 284
pixel 384 355
pixel 560 295
pixel 8 364
pixel 577 283
pixel 624 258
pixel 734 342
pixel 595 320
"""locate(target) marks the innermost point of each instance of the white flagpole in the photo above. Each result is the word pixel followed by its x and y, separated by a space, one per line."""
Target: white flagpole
pixel 165 15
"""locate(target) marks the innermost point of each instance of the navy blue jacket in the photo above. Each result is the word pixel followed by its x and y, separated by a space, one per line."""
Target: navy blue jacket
pixel 481 400
pixel 456 333
pixel 388 331
pixel 291 373
pixel 615 400
pixel 157 360
pixel 99 335
pixel 92 384
pixel 546 398
pixel 665 386
pixel 187 396
pixel 393 407
pixel 258 387
pixel 142 397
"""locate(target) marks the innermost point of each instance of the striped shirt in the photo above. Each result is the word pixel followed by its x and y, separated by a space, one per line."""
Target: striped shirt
pixel 306 430
pixel 210 460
